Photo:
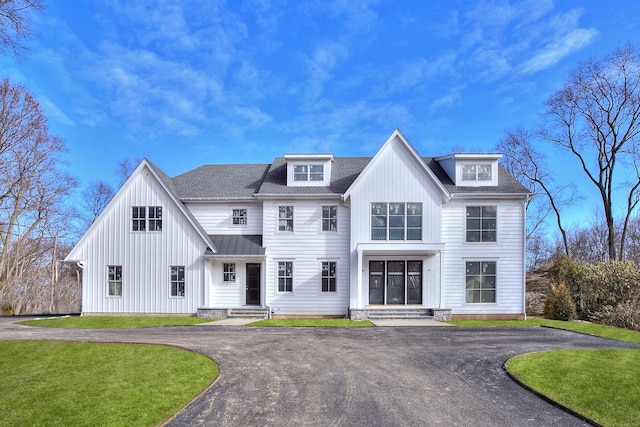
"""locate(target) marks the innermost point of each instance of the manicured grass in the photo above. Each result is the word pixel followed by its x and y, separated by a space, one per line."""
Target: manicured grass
pixel 323 323
pixel 601 384
pixel 53 383
pixel 583 327
pixel 118 322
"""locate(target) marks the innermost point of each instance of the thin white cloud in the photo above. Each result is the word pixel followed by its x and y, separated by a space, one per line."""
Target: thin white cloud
pixel 558 49
pixel 53 112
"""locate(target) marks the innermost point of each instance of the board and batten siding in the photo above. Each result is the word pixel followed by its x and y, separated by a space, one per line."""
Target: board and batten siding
pixel 216 217
pixel 145 257
pixel 395 177
pixel 507 252
pixel 307 246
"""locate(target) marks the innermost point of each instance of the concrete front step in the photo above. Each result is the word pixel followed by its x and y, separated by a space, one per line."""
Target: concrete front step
pixel 256 313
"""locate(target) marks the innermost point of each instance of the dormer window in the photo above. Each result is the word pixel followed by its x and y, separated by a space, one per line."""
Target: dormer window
pixel 478 172
pixel 308 172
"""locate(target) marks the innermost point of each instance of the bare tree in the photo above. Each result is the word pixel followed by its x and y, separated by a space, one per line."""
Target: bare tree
pixel 125 168
pixel 596 118
pixel 95 198
pixel 15 24
pixel 524 162
pixel 33 188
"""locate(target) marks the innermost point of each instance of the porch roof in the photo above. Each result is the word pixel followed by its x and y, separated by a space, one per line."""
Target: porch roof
pixel 236 245
pixel 400 248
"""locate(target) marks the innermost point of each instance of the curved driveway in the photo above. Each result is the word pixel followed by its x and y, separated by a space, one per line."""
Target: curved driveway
pixel 355 377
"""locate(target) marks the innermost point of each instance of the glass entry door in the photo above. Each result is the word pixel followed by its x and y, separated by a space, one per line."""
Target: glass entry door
pixel 395 282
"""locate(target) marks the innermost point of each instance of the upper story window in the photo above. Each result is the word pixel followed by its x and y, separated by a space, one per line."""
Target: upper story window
pixel 145 218
pixel 481 223
pixel 308 172
pixel 476 172
pixel 285 218
pixel 329 218
pixel 239 217
pixel 396 221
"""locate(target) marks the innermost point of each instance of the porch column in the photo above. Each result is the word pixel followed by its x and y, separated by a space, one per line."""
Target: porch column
pixel 440 273
pixel 359 283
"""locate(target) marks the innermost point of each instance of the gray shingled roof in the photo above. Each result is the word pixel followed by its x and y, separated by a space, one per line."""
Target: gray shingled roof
pixel 220 181
pixel 211 182
pixel 237 245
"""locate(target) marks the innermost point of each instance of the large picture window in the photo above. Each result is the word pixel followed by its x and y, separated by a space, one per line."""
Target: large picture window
pixel 481 223
pixel 177 281
pixel 285 276
pixel 481 281
pixel 396 221
pixel 114 279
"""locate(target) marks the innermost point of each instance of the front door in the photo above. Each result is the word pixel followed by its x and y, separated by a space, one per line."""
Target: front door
pixel 253 284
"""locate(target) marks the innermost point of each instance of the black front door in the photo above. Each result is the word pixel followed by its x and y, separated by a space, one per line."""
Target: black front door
pixel 253 284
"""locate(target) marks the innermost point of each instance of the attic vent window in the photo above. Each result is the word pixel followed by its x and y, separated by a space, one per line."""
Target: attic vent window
pixel 479 172
pixel 308 172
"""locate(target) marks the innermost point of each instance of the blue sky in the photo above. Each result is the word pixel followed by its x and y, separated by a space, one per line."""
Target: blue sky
pixel 185 83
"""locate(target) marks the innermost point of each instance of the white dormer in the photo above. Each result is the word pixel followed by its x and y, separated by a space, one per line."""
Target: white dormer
pixel 308 170
pixel 471 170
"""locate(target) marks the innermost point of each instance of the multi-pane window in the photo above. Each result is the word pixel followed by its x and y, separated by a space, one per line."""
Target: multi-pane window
pixel 481 223
pixel 155 218
pixel 396 221
pixel 329 218
pixel 239 217
pixel 481 282
pixel 177 281
pixel 478 172
pixel 285 276
pixel 328 276
pixel 285 218
pixel 308 172
pixel 229 272
pixel 139 218
pixel 114 279
pixel 145 218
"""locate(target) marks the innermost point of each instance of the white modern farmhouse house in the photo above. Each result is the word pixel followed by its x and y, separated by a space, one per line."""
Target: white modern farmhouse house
pixel 397 234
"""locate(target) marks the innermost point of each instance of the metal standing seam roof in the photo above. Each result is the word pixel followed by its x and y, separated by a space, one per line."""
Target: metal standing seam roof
pixel 240 245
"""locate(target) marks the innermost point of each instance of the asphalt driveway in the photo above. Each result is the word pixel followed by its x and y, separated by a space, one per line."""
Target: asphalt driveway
pixel 392 376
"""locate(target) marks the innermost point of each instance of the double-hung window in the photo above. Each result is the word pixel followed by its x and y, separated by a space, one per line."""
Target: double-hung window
pixel 285 218
pixel 239 217
pixel 328 276
pixel 285 276
pixel 481 281
pixel 481 223
pixel 114 279
pixel 155 218
pixel 329 218
pixel 396 221
pixel 177 280
pixel 229 272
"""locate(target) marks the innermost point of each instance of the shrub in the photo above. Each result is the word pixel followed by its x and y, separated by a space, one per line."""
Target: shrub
pixel 6 309
pixel 559 304
pixel 626 315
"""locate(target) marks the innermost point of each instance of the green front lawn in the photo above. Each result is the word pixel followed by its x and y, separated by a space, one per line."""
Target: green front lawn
pixel 337 323
pixel 117 322
pixel 51 383
pixel 601 384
